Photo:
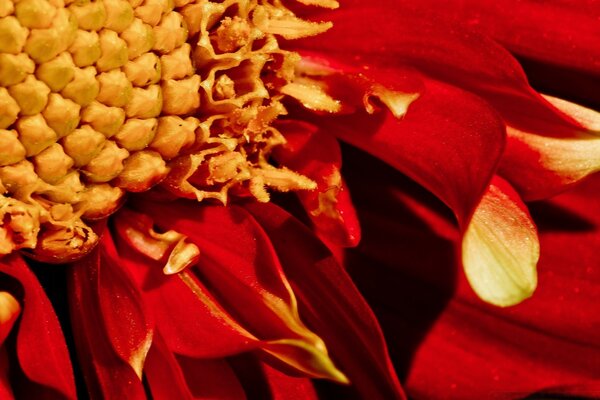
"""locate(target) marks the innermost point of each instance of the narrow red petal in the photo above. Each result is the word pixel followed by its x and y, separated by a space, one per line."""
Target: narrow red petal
pixel 284 387
pixel 331 304
pixel 107 374
pixel 5 389
pixel 315 154
pixel 41 348
pixel 124 316
pixel 211 379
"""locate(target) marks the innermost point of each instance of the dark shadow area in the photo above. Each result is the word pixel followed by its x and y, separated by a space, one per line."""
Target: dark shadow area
pixel 576 86
pixel 406 272
pixel 552 217
pixel 53 279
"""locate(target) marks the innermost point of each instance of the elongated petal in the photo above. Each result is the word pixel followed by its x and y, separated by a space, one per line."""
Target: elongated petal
pixel 125 318
pixel 316 154
pixel 41 348
pixel 367 35
pixel 242 269
pixel 109 372
pixel 500 247
pixel 331 304
pixel 262 381
pixel 541 165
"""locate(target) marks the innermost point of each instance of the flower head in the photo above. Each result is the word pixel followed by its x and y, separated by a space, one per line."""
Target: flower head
pixel 142 140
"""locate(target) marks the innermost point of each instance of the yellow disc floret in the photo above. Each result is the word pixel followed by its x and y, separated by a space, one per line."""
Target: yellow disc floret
pixel 103 97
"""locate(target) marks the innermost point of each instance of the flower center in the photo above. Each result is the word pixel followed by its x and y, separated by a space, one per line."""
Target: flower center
pixel 100 98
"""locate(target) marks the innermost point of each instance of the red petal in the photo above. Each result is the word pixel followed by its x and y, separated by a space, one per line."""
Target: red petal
pixel 5 389
pixel 331 304
pixel 367 35
pixel 163 374
pixel 107 374
pixel 211 379
pixel 449 141
pixel 466 349
pixel 41 348
pixel 241 268
pixel 191 324
pixel 122 308
pixel 543 162
pixel 556 32
pixel 316 155
pixel 187 378
pixel 284 387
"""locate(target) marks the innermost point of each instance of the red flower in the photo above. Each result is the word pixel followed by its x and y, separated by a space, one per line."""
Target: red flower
pixel 188 299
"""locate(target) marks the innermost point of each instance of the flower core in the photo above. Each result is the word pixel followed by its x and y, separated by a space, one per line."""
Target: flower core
pixel 100 98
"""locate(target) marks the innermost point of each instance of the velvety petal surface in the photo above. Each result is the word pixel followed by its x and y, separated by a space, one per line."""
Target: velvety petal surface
pixel 556 32
pixel 331 304
pixel 366 34
pixel 41 348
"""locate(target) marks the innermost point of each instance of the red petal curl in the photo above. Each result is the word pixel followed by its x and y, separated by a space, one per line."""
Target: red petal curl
pixel 191 324
pixel 41 347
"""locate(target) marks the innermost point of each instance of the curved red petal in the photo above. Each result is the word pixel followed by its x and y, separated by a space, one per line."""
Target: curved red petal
pixel 554 32
pixel 331 304
pixel 241 268
pixel 163 374
pixel 372 36
pixel 449 140
pixel 106 374
pixel 315 154
pixel 191 324
pixel 444 341
pixel 41 347
pixel 211 379
pixel 125 320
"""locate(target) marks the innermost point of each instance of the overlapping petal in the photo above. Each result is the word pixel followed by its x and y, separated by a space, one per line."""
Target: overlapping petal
pixel 107 363
pixel 41 349
pixel 317 155
pixel 331 304
pixel 242 270
pixel 448 342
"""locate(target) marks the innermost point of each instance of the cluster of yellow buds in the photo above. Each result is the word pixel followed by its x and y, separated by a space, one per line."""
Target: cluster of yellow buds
pixel 103 97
